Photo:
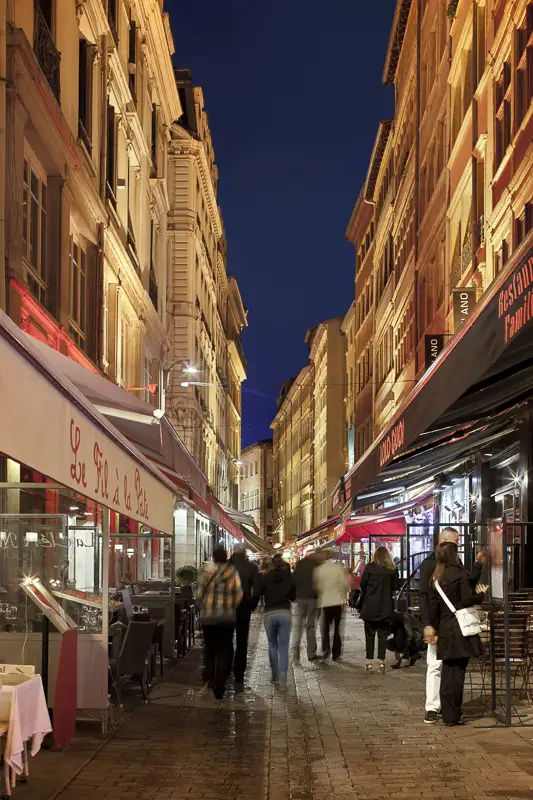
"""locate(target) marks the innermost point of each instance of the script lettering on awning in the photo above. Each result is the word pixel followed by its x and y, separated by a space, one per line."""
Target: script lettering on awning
pixel 515 300
pixel 392 442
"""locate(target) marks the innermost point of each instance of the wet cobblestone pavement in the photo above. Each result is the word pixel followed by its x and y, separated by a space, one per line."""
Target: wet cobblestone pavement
pixel 334 733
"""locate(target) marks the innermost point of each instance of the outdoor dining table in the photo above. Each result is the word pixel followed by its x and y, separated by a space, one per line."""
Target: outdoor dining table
pixel 23 708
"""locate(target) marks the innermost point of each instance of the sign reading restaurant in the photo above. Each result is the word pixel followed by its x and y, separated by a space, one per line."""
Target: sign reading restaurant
pixel 392 442
pixel 515 300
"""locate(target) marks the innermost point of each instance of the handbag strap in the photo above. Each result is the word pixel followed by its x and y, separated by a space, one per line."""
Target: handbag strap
pixel 445 598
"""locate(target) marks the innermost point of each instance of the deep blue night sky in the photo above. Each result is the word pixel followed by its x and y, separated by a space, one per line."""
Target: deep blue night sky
pixel 294 96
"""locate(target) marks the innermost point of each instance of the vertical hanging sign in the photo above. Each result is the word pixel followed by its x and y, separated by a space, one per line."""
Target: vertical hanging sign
pixel 464 301
pixel 434 344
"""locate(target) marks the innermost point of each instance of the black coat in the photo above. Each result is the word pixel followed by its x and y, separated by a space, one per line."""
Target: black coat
pixel 250 583
pixel 377 587
pixel 278 589
pixel 427 568
pixel 456 585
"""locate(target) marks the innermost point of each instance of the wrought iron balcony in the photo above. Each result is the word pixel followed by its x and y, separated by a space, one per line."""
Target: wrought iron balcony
pixel 462 261
pixel 47 54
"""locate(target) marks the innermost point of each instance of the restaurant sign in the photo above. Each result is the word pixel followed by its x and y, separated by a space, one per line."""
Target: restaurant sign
pixel 515 300
pixel 464 301
pixel 392 443
pixel 434 344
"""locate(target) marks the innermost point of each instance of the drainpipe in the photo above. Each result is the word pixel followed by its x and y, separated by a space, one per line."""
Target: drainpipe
pixel 3 90
pixel 417 177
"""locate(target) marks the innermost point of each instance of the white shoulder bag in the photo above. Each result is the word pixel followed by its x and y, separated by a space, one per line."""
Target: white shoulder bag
pixel 467 618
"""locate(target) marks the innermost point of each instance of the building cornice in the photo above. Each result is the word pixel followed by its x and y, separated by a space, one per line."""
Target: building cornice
pixel 182 144
pixel 397 34
pixel 156 41
pixel 382 137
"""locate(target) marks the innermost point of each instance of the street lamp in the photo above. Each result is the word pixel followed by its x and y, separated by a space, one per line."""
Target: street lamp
pixel 164 378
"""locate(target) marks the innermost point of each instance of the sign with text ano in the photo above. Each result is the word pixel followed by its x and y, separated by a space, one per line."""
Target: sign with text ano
pixel 464 301
pixel 434 344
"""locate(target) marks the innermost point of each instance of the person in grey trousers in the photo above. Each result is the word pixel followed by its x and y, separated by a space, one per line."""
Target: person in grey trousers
pixel 305 608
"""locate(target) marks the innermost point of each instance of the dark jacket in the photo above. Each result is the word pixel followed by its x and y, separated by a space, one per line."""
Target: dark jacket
pixel 250 583
pixel 278 589
pixel 377 587
pixel 456 585
pixel 427 568
pixel 304 578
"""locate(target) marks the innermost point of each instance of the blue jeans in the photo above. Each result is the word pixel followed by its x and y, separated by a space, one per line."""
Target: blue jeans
pixel 278 631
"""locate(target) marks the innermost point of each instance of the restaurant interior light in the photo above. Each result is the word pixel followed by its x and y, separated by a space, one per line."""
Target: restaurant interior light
pixel 3 536
pixel 32 537
pixel 74 508
pixel 119 547
pixel 130 551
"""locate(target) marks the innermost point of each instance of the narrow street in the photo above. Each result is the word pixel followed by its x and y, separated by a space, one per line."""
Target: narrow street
pixel 335 733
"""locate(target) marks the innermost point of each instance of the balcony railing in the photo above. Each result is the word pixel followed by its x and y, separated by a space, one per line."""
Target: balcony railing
pixel 47 54
pixel 462 261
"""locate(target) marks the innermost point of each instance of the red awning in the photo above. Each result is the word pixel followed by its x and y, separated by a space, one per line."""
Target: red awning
pixel 355 530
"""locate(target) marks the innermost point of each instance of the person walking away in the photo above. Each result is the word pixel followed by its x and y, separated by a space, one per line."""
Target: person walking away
pixel 305 607
pixel 220 593
pixel 332 585
pixel 379 582
pixel 454 649
pixel 250 584
pixel 434 665
pixel 278 591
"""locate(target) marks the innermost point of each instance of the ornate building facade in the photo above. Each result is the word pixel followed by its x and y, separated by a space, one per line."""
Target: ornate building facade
pixel 257 485
pixel 205 310
pixel 90 102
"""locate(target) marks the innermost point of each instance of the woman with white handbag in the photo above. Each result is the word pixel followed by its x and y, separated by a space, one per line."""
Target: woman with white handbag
pixel 454 617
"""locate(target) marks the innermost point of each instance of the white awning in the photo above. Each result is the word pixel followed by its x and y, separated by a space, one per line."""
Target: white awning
pixel 134 418
pixel 48 424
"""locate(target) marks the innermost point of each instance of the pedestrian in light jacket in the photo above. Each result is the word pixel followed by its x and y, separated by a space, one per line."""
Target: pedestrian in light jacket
pixel 331 583
pixel 305 607
pixel 380 581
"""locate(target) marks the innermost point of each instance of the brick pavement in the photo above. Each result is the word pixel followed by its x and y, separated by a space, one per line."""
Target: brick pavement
pixel 334 733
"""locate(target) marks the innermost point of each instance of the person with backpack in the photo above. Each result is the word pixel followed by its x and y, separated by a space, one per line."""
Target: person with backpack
pixel 219 593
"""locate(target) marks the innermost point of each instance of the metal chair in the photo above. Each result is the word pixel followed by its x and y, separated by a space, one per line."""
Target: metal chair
pixel 133 657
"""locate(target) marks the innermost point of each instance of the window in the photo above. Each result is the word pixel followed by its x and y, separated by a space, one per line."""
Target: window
pixel 524 66
pixel 501 256
pixel 481 42
pixel 112 18
pixel 385 267
pixel 384 357
pixel 132 60
pixel 462 93
pixel 85 94
pixel 503 114
pixel 78 292
pixel 111 166
pixel 105 333
pixel 124 349
pixel 404 338
pixel 154 141
pixel 34 226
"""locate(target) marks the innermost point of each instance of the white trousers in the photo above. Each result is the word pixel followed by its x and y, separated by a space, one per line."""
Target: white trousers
pixel 433 675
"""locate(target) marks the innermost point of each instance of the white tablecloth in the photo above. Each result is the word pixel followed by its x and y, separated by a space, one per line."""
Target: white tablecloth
pixel 24 708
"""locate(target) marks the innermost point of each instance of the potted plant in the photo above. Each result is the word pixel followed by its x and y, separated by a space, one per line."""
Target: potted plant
pixel 186 575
